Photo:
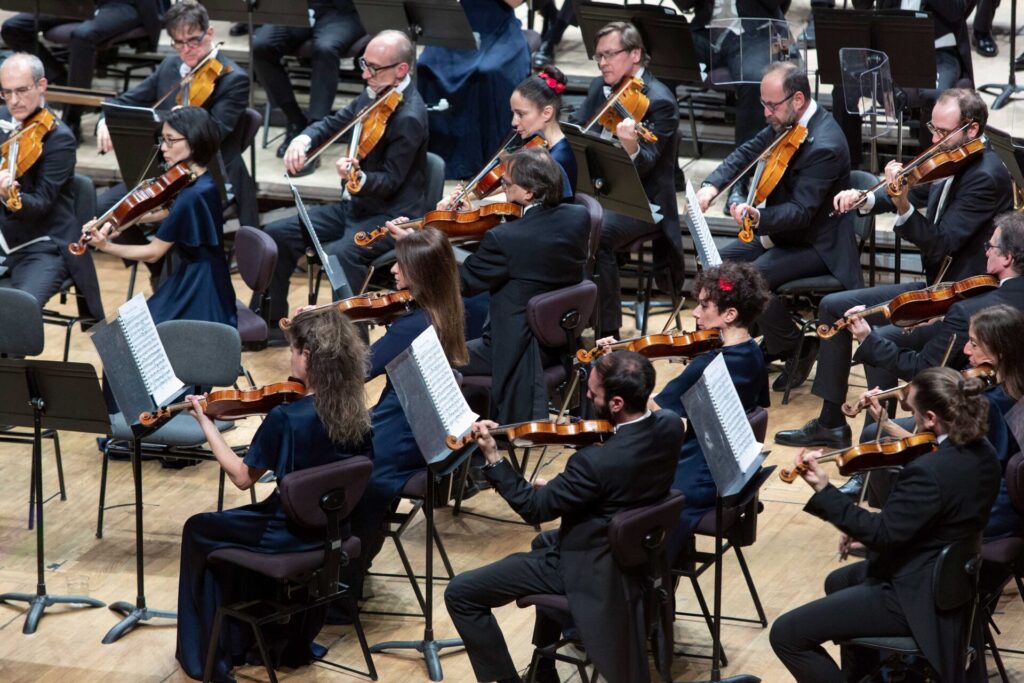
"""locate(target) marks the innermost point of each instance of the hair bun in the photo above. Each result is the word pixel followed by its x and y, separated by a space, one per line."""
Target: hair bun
pixel 971 387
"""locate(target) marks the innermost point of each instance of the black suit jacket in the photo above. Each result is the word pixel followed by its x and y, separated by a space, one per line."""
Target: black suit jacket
pixel 543 251
pixel 47 208
pixel 939 498
pixel 906 363
pixel 634 467
pixel 655 162
pixel 396 167
pixel 796 213
pixel 979 193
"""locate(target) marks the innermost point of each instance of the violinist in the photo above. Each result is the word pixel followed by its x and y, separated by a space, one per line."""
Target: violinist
pixel 794 237
pixel 393 175
pixel 536 104
pixel 620 54
pixel 331 423
pixel 939 498
pixel 34 236
pixel 198 283
pixel 633 467
pixel 959 209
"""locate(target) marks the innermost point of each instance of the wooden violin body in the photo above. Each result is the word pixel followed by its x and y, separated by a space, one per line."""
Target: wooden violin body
pixel 375 307
pixel 198 87
pixel 941 164
pixel 22 150
pixel 775 167
pixel 547 433
pixel 232 404
pixel 457 226
pixel 374 125
pixel 661 345
pixel 873 455
pixel 386 100
pixel 488 181
pixel 626 101
pixel 920 305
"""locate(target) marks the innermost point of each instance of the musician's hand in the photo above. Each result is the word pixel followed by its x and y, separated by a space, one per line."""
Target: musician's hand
pixel 814 475
pixel 539 482
pixel 448 203
pixel 343 165
pixel 844 546
pixel 899 199
pixel 846 200
pixel 739 211
pixel 196 410
pixel 873 407
pixel 485 440
pixel 100 236
pixel 626 133
pixel 6 180
pixel 892 171
pixel 394 226
pixel 295 155
pixel 606 343
pixel 705 196
pixel 859 328
pixel 103 141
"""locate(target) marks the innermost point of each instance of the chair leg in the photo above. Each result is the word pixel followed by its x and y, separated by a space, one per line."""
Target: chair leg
pixel 267 663
pixel 103 492
pixel 211 651
pixel 443 553
pixel 220 491
pixel 252 495
pixel 750 585
pixel 996 657
pixel 409 572
pixel 789 383
pixel 358 624
pixel 60 466
pixel 707 615
pixel 531 673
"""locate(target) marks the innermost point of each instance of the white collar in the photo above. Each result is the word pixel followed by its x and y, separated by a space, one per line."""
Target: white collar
pixel 646 415
pixel 402 85
pixel 941 438
pixel 812 107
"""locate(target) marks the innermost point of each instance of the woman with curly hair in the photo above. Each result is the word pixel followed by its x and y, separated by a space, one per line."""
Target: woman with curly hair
pixel 329 424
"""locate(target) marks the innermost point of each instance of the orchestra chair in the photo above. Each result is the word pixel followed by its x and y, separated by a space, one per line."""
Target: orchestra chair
pixel 317 498
pixel 136 39
pixel 21 335
pixel 955 586
pixel 811 290
pixel 243 137
pixel 256 256
pixel 639 257
pixel 596 212
pixel 84 199
pixel 739 529
pixel 636 538
pixel 203 354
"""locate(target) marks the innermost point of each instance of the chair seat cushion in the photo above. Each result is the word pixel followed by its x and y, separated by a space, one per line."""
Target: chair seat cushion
pixel 182 431
pixel 818 284
pixel 251 327
pixel 481 381
pixel 63 34
pixel 706 525
pixel 554 376
pixel 1003 551
pixel 902 644
pixel 555 602
pixel 281 565
pixel 416 487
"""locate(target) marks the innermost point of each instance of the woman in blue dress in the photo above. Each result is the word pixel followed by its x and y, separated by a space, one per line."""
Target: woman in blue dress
pixel 425 265
pixel 329 424
pixel 536 104
pixel 478 83
pixel 729 299
pixel 197 284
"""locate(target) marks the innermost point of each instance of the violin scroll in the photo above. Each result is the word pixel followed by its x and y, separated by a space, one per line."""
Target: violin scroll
pixel 747 232
pixel 789 476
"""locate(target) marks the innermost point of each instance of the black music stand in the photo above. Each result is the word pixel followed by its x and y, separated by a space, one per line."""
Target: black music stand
pixel 66 396
pixel 1007 90
pixel 1011 153
pixel 317 258
pixel 133 132
pixel 441 23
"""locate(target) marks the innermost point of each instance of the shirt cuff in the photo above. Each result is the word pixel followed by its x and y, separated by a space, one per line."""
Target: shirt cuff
pixel 904 217
pixel 306 141
pixel 634 155
pixel 869 203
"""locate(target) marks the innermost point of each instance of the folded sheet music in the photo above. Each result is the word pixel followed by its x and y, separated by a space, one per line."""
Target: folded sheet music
pixel 144 342
pixel 707 251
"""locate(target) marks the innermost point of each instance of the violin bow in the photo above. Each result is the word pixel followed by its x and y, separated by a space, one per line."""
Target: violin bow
pixel 495 160
pixel 754 162
pixel 675 312
pixel 357 119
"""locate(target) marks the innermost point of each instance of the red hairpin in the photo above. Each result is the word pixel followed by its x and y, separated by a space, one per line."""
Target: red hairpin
pixel 724 285
pixel 552 83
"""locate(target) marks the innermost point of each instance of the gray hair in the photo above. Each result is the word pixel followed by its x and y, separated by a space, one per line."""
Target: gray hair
pixel 1011 238
pixel 405 51
pixel 28 61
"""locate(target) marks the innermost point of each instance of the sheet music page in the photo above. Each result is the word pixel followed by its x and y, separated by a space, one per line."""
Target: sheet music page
pixel 730 412
pixel 147 349
pixel 444 391
pixel 707 251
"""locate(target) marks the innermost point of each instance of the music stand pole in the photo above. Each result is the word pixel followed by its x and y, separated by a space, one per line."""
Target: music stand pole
pixel 1007 90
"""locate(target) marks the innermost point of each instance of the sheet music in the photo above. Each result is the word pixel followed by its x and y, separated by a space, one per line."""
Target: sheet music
pixel 147 350
pixel 730 412
pixel 707 251
pixel 444 391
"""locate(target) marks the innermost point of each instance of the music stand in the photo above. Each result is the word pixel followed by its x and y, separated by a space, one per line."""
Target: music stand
pixel 1010 88
pixel 66 396
pixel 741 48
pixel 441 23
pixel 1011 153
pixel 867 91
pixel 133 132
pixel 316 257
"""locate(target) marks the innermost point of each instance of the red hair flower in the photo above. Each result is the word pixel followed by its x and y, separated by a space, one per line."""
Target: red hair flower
pixel 724 285
pixel 552 83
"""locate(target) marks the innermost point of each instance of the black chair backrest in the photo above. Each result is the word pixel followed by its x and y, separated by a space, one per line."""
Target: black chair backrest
pixel 758 419
pixel 434 190
pixel 862 225
pixel 596 212
pixel 630 532
pixel 202 352
pixel 256 255
pixel 302 490
pixel 1014 476
pixel 547 313
pixel 21 324
pixel 955 578
pixel 83 194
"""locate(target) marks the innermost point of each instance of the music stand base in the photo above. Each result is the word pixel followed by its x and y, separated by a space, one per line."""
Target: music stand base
pixel 429 648
pixel 37 603
pixel 1004 93
pixel 132 616
pixel 739 678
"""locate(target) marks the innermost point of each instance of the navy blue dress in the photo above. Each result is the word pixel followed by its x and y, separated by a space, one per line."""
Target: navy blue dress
pixel 198 285
pixel 693 478
pixel 1003 520
pixel 478 84
pixel 291 438
pixel 561 152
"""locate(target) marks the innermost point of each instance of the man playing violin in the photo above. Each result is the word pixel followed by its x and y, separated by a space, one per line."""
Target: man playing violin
pixel 620 54
pixel 34 236
pixel 794 235
pixel 633 467
pixel 393 175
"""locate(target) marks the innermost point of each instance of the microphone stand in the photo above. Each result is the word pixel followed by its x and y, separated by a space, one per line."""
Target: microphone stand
pixel 1004 92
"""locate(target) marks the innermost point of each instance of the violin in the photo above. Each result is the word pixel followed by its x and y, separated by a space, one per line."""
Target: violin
pixel 776 163
pixel 579 433
pixel 457 226
pixel 196 87
pixel 984 371
pixel 22 150
pixel 232 404
pixel 626 101
pixel 147 196
pixel 375 307
pixel 918 306
pixel 660 345
pixel 872 455
pixel 488 180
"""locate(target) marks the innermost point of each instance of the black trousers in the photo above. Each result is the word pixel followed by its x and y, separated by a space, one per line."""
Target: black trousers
pixel 472 595
pixel 332 35
pixel 853 606
pixel 832 380
pixel 333 225
pixel 556 20
pixel 111 20
pixel 779 265
pixel 984 14
pixel 617 232
pixel 747 65
pixel 38 269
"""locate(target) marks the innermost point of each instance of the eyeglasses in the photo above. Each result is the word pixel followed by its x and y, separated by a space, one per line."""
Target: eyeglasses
pixel 989 245
pixel 942 132
pixel 373 68
pixel 605 56
pixel 195 41
pixel 168 141
pixel 506 183
pixel 772 106
pixel 5 93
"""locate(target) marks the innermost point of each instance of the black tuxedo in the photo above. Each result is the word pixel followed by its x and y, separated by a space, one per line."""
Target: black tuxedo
pixel 656 165
pixel 396 177
pixel 544 250
pixel 634 467
pixel 939 498
pixel 48 210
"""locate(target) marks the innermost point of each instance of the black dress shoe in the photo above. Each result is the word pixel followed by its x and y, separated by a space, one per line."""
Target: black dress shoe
pixel 808 35
pixel 813 434
pixel 985 45
pixel 1018 62
pixel 308 168
pixel 853 486
pixel 797 369
pixel 239 28
pixel 544 55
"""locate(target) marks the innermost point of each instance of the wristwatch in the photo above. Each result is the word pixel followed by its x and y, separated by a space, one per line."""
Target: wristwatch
pixel 490 465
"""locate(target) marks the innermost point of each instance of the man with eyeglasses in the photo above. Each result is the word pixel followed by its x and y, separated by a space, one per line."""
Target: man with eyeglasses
pixel 620 54
pixel 393 174
pixel 112 18
pixel 795 237
pixel 334 27
pixel 34 238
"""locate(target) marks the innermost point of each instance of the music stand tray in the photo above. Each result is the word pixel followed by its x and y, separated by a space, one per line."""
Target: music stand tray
pixel 441 23
pixel 133 132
